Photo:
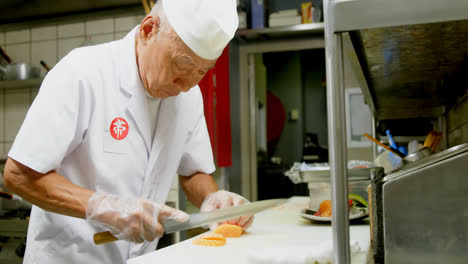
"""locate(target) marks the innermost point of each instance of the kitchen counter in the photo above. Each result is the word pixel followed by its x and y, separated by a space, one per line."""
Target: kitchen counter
pixel 274 228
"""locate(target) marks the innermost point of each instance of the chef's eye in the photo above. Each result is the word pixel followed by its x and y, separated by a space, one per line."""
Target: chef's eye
pixel 176 68
pixel 175 65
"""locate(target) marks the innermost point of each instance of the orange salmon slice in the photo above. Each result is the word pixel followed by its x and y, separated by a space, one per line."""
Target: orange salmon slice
pixel 229 230
pixel 210 240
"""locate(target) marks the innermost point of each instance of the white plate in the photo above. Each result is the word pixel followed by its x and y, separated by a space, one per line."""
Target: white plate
pixel 356 214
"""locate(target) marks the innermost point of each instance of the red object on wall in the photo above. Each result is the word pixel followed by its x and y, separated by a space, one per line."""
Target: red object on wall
pixel 207 90
pixel 215 88
pixel 276 119
pixel 223 111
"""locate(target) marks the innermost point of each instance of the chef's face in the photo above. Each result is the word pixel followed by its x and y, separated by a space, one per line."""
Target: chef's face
pixel 167 66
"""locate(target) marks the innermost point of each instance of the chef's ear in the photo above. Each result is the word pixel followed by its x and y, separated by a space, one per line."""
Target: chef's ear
pixel 149 28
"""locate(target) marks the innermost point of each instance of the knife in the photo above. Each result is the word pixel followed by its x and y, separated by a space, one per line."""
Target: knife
pixel 202 219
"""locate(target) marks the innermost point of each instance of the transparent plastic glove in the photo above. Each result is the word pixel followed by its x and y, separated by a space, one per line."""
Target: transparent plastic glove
pixel 224 199
pixel 132 219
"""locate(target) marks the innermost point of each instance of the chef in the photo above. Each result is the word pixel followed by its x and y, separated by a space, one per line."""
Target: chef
pixel 110 129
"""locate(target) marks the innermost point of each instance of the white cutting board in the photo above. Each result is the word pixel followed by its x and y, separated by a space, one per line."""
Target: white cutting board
pixel 276 227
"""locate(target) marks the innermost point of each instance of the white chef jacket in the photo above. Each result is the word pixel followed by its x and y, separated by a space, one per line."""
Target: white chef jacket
pixel 71 128
pixel 153 111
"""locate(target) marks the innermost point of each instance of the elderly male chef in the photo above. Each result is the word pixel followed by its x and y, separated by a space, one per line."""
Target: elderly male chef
pixel 110 129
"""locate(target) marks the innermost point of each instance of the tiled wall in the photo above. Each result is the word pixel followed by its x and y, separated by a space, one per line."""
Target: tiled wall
pixel 457 123
pixel 49 43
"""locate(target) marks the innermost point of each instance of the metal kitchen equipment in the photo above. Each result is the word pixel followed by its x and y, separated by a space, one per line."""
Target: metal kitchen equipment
pixel 425 216
pixel 407 56
pixel 418 155
pixel 19 71
pixel 4 58
pixel 203 219
pixel 16 71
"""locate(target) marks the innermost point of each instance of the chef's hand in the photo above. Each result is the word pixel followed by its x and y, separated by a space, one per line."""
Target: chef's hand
pixel 224 199
pixel 132 219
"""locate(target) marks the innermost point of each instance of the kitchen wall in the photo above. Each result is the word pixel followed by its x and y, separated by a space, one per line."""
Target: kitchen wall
pixel 296 78
pixel 457 122
pixel 284 79
pixel 314 94
pixel 50 42
pixel 355 153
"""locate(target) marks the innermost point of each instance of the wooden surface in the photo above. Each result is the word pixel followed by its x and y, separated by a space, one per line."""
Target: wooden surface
pixel 275 228
pixel 104 237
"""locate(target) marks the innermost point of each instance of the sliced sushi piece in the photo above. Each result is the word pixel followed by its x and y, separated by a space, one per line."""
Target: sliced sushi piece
pixel 229 230
pixel 210 240
pixel 325 208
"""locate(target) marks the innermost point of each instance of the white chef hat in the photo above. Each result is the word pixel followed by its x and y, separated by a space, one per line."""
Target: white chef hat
pixel 205 26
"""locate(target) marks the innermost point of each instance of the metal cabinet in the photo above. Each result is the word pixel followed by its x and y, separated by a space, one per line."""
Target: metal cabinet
pixel 409 57
pixel 424 210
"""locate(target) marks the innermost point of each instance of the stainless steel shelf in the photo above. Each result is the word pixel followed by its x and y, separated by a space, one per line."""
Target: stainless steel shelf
pixel 403 139
pixel 349 15
pixel 282 31
pixel 410 71
pixel 323 175
pixel 12 84
pixel 14 227
pixel 408 57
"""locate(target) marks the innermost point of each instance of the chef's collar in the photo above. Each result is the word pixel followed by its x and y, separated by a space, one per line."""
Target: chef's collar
pixel 129 73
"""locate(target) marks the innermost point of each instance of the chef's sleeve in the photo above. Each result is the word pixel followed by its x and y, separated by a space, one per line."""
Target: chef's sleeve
pixel 197 155
pixel 51 129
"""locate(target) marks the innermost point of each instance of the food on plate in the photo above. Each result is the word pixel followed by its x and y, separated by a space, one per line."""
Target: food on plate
pixel 229 230
pixel 358 200
pixel 325 208
pixel 210 240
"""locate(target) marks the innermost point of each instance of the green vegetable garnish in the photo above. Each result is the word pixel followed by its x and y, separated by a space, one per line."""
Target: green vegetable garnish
pixel 358 199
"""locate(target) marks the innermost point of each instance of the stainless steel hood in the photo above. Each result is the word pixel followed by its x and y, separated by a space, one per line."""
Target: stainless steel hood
pixel 20 11
pixel 413 70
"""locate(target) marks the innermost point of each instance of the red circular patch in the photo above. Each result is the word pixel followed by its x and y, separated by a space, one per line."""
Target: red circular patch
pixel 119 128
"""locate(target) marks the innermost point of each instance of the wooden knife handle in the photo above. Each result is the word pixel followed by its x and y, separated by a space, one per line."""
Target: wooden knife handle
pixel 6 195
pixel 45 65
pixel 104 237
pixel 437 141
pixel 4 55
pixel 431 137
pixel 146 6
pixel 383 145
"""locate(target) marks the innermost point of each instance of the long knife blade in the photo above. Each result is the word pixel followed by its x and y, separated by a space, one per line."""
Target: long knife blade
pixel 202 219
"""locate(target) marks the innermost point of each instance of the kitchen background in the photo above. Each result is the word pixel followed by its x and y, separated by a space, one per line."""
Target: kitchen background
pixel 298 71
pixel 50 43
pixel 296 77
